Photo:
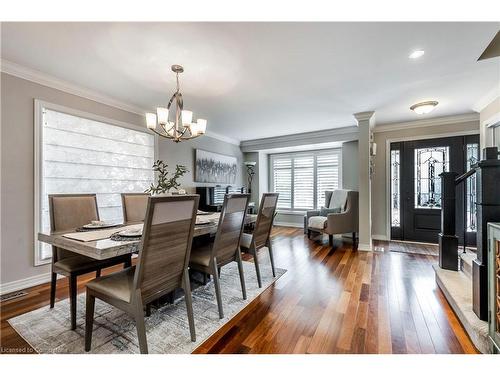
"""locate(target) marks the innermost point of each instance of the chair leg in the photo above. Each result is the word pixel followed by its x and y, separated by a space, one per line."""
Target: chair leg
pixel 148 309
pixel 353 237
pixel 189 305
pixel 309 233
pixel 89 320
pixel 257 267
pixel 217 291
pixel 53 281
pixel 72 300
pixel 141 327
pixel 330 239
pixel 218 271
pixel 271 256
pixel 98 273
pixel 128 262
pixel 242 276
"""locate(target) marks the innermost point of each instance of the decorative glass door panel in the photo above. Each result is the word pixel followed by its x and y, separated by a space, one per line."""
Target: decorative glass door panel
pixel 430 162
pixel 395 192
pixel 471 159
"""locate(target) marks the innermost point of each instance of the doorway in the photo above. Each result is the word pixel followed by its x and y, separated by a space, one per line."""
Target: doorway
pixel 416 187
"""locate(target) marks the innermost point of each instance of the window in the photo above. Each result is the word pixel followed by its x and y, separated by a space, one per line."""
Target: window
pixel 472 150
pixel 78 155
pixel 301 179
pixel 429 164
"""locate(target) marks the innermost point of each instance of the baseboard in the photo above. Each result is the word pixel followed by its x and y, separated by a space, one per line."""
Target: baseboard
pixel 14 286
pixel 380 237
pixel 285 224
pixel 365 247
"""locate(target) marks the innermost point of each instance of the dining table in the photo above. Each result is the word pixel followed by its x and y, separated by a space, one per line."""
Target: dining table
pixel 103 244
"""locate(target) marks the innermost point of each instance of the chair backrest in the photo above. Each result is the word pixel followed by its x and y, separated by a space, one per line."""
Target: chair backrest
pixel 166 244
pixel 134 207
pixel 70 211
pixel 336 199
pixel 352 206
pixel 231 222
pixel 265 218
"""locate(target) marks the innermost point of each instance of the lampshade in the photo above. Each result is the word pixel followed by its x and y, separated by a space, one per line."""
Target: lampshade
pixel 162 115
pixel 187 117
pixel 201 125
pixel 150 120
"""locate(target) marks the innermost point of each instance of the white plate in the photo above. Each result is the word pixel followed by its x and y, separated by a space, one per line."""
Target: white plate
pixel 100 226
pixel 130 233
pixel 202 221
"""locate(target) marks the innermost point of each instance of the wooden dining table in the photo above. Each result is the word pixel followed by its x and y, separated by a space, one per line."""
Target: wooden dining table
pixel 106 248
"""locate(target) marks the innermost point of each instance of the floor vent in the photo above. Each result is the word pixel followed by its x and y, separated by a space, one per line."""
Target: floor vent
pixel 9 296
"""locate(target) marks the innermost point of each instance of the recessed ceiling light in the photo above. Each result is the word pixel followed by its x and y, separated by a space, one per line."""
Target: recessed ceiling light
pixel 416 54
pixel 424 107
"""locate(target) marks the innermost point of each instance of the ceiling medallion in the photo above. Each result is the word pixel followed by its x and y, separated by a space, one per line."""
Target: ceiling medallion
pixel 182 127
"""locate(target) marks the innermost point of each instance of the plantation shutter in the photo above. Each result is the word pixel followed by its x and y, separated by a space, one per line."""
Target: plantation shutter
pixel 282 177
pixel 327 175
pixel 301 179
pixel 303 182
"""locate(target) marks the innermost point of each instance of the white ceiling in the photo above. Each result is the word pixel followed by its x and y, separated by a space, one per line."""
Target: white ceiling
pixel 255 80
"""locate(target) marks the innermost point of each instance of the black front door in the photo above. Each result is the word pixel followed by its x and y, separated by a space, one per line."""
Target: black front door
pixel 421 162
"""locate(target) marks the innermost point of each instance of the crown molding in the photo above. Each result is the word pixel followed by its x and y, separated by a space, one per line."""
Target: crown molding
pixel 48 80
pixel 490 96
pixel 457 119
pixel 344 134
pixel 222 138
pixel 364 116
pixel 44 79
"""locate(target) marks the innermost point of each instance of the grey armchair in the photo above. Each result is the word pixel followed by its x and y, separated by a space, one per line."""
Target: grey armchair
pixel 338 216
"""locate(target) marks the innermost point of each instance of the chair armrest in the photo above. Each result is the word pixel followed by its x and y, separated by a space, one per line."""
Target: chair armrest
pixel 312 213
pixel 341 223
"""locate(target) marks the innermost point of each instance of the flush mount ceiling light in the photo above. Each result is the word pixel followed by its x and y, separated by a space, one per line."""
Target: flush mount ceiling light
pixel 424 107
pixel 416 54
pixel 182 127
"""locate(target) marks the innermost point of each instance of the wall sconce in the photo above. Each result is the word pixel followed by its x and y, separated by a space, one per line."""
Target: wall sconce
pixel 250 173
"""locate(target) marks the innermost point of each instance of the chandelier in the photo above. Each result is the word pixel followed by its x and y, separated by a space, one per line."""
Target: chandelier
pixel 182 127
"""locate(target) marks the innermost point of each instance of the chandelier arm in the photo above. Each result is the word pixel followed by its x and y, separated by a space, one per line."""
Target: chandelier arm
pixel 164 135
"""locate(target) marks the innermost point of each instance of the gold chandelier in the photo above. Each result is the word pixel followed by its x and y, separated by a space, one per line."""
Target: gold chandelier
pixel 182 127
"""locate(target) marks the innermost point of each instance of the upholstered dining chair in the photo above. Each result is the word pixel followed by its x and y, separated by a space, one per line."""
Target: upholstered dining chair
pixel 68 212
pixel 161 268
pixel 250 243
pixel 225 249
pixel 134 207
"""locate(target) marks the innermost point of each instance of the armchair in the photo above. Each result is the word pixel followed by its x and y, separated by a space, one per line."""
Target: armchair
pixel 339 215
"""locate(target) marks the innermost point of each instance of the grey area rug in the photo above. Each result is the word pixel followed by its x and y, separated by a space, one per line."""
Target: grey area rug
pixel 47 330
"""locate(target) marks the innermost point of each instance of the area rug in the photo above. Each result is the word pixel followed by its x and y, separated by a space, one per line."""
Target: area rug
pixel 167 330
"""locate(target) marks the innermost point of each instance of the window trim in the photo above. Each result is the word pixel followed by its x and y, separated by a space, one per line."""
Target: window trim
pixel 39 106
pixel 314 153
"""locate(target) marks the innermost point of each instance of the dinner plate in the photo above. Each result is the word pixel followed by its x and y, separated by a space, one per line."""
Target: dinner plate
pixel 202 221
pixel 200 212
pixel 100 226
pixel 130 233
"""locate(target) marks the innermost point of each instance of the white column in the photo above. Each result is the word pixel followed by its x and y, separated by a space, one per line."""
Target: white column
pixel 366 121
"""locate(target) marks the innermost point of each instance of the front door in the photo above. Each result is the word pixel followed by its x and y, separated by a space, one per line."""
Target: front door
pixel 421 162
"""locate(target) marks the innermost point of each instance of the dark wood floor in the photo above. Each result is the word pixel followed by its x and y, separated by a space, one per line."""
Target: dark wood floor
pixel 329 301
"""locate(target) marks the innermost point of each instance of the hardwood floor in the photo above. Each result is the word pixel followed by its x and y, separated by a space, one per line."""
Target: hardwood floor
pixel 329 301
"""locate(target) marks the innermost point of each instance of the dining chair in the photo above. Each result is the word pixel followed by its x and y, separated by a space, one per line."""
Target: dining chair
pixel 68 212
pixel 134 207
pixel 225 249
pixel 162 266
pixel 251 243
